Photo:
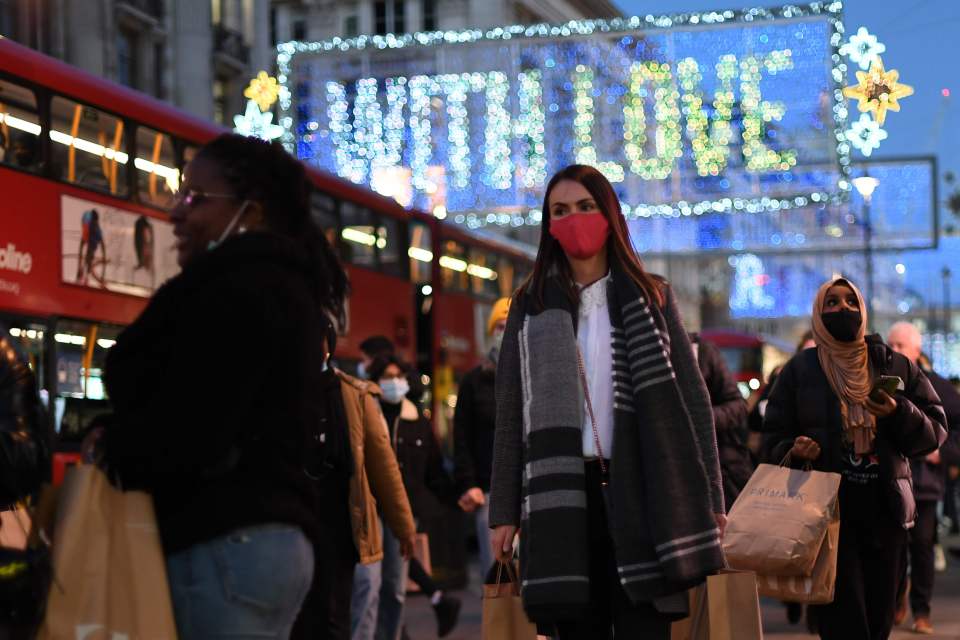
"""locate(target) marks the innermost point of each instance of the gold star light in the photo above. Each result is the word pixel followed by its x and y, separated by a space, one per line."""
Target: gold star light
pixel 263 90
pixel 878 90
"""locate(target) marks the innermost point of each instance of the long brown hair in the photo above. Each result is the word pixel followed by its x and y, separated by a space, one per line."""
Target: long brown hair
pixel 620 249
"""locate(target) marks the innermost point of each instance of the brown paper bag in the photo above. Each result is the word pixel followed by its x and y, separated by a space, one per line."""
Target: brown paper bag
pixel 818 588
pixel 110 576
pixel 503 614
pixel 778 522
pixel 725 607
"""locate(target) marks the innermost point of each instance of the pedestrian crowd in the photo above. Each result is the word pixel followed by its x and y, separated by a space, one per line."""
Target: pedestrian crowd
pixel 598 442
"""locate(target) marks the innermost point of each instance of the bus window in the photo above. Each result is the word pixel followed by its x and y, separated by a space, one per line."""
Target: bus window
pixel 157 175
pixel 88 146
pixel 453 265
pixel 323 211
pixel 421 253
pixel 81 352
pixel 482 269
pixel 19 127
pixel 390 246
pixel 357 235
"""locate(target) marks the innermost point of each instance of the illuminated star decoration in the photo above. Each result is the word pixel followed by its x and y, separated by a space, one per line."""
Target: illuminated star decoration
pixel 263 90
pixel 254 123
pixel 865 135
pixel 863 48
pixel 878 90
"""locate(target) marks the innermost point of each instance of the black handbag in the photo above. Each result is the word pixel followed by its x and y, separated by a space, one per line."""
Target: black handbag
pixel 25 576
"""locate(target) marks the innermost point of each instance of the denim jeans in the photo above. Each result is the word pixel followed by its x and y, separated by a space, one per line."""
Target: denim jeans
pixel 249 583
pixel 365 601
pixel 393 589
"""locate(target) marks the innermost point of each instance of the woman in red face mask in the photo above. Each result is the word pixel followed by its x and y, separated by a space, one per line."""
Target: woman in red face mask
pixel 605 456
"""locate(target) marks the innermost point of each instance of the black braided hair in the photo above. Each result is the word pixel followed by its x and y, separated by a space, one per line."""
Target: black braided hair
pixel 264 172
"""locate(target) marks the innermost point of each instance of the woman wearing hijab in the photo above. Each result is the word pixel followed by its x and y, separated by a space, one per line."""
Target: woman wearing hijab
pixel 604 452
pixel 825 410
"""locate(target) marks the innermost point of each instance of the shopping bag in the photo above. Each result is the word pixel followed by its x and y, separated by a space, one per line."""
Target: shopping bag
pixel 725 607
pixel 109 572
pixel 503 614
pixel 421 551
pixel 777 524
pixel 818 587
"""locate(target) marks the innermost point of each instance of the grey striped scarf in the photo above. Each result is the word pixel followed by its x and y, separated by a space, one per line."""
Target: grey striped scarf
pixel 664 476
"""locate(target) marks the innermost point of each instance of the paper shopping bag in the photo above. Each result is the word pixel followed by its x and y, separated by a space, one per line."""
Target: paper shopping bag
pixel 110 577
pixel 725 607
pixel 778 522
pixel 503 614
pixel 816 589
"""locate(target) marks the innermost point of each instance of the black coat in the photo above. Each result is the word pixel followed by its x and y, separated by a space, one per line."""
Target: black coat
pixel 215 395
pixel 729 420
pixel 802 403
pixel 419 457
pixel 929 480
pixel 24 436
pixel 473 426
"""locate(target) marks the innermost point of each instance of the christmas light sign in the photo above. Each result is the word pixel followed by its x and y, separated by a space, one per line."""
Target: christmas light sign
pixel 688 114
pixel 904 216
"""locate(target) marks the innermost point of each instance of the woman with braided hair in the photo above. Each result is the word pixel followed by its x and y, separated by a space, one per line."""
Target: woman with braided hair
pixel 215 391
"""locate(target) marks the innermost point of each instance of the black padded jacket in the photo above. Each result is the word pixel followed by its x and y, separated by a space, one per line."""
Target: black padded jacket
pixel 803 404
pixel 217 391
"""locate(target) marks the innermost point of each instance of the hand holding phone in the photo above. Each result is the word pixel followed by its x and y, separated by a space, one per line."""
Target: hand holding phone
pixel 887 384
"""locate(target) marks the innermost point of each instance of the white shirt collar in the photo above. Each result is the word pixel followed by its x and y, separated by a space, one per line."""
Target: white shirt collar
pixel 593 295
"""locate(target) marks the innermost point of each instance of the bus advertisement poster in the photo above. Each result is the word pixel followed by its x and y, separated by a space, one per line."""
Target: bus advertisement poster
pixel 108 248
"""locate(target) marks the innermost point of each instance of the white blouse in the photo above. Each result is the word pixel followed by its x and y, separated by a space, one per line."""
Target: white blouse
pixel 593 337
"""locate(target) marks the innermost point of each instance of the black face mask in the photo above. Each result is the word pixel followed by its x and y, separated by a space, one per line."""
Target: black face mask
pixel 842 325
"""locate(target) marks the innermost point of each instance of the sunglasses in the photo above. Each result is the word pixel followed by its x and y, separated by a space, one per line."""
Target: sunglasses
pixel 194 197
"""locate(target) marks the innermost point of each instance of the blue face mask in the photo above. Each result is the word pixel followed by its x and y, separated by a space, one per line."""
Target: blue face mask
pixel 362 371
pixel 394 389
pixel 213 244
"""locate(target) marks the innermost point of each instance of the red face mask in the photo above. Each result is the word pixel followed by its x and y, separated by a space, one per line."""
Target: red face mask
pixel 582 235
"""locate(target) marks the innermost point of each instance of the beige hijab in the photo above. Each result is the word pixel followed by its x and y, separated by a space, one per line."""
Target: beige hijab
pixel 848 370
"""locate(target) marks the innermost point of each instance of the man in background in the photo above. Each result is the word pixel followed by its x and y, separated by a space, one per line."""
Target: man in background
pixel 729 419
pixel 929 478
pixel 473 426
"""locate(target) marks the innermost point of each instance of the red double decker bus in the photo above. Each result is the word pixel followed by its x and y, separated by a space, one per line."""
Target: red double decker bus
pixel 88 171
pixel 749 357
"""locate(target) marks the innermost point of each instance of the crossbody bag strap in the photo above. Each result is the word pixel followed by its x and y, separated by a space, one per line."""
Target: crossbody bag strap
pixel 593 418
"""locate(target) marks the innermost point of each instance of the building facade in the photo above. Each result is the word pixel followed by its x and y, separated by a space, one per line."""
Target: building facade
pixel 196 54
pixel 324 19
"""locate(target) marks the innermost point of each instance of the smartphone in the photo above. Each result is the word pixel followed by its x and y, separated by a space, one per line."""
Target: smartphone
pixel 888 384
